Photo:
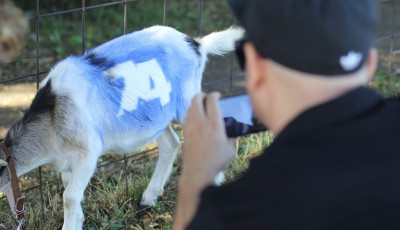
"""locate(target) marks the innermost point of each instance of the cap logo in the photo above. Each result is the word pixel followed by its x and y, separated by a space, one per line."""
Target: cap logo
pixel 350 61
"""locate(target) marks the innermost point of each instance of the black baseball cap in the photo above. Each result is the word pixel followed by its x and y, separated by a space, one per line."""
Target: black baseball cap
pixel 324 37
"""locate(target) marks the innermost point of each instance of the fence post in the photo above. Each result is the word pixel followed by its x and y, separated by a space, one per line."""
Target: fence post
pixel 125 158
pixel 83 26
pixel 201 18
pixel 392 45
pixel 37 87
pixel 165 13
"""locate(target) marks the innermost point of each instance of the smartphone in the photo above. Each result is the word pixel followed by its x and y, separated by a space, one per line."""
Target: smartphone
pixel 239 116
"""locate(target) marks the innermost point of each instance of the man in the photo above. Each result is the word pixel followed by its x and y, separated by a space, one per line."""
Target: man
pixel 335 161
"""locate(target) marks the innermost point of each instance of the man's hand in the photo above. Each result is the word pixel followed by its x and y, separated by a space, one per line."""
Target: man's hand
pixel 206 151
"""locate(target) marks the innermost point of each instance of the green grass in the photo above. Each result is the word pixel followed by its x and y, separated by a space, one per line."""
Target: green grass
pixel 109 205
pixel 387 86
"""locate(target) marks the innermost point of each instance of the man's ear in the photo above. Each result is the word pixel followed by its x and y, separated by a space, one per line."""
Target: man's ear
pixel 372 63
pixel 256 68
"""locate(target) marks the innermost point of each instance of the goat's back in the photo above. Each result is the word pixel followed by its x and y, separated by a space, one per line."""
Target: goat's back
pixel 134 85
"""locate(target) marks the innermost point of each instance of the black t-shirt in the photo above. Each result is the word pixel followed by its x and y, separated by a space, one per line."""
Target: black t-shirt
pixel 336 166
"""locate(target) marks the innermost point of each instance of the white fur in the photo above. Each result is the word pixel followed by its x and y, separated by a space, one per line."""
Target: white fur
pixel 86 122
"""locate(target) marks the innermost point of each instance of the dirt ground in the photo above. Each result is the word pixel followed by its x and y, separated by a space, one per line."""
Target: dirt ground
pixel 14 100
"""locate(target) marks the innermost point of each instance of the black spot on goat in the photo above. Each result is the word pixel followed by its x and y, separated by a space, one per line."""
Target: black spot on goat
pixel 101 62
pixel 44 102
pixel 194 44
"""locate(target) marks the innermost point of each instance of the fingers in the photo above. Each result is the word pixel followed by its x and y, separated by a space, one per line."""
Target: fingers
pixel 212 105
pixel 213 111
pixel 206 108
pixel 196 109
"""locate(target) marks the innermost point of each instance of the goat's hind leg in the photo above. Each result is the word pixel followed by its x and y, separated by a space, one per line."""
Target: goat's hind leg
pixel 168 144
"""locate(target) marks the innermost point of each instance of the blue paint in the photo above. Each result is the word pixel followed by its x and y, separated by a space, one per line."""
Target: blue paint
pixel 137 47
pixel 117 83
pixel 151 83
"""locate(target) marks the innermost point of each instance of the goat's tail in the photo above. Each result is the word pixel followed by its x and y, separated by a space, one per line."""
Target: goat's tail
pixel 218 43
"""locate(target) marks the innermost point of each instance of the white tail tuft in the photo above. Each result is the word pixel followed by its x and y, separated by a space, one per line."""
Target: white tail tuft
pixel 218 43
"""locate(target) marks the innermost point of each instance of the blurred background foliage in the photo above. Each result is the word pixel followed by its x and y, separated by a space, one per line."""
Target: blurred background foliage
pixel 106 205
pixel 61 35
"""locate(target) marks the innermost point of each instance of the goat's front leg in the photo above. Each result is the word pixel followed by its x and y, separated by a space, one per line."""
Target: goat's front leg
pixel 168 144
pixel 65 178
pixel 76 183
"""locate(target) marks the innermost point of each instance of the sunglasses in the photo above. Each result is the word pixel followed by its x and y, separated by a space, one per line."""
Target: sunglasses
pixel 240 53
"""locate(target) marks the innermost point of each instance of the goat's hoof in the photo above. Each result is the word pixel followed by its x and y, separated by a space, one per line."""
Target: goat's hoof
pixel 141 207
pixel 145 203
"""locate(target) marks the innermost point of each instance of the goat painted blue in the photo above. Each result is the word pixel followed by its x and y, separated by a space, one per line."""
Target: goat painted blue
pixel 108 89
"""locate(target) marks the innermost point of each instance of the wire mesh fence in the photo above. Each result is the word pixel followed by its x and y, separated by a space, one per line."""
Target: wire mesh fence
pixel 221 74
pixel 34 68
pixel 388 45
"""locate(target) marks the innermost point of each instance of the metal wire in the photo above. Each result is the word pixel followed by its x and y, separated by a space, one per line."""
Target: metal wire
pixel 390 71
pixel 85 8
pixel 80 9
pixel 83 26
pixel 232 65
pixel 37 87
pixel 165 13
pixel 125 158
pixel 38 73
pixel 392 38
pixel 201 18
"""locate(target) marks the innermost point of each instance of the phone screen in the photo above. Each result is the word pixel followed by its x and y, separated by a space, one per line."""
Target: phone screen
pixel 239 116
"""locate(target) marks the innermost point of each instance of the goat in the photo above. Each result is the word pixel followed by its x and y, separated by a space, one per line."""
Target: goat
pixel 117 97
